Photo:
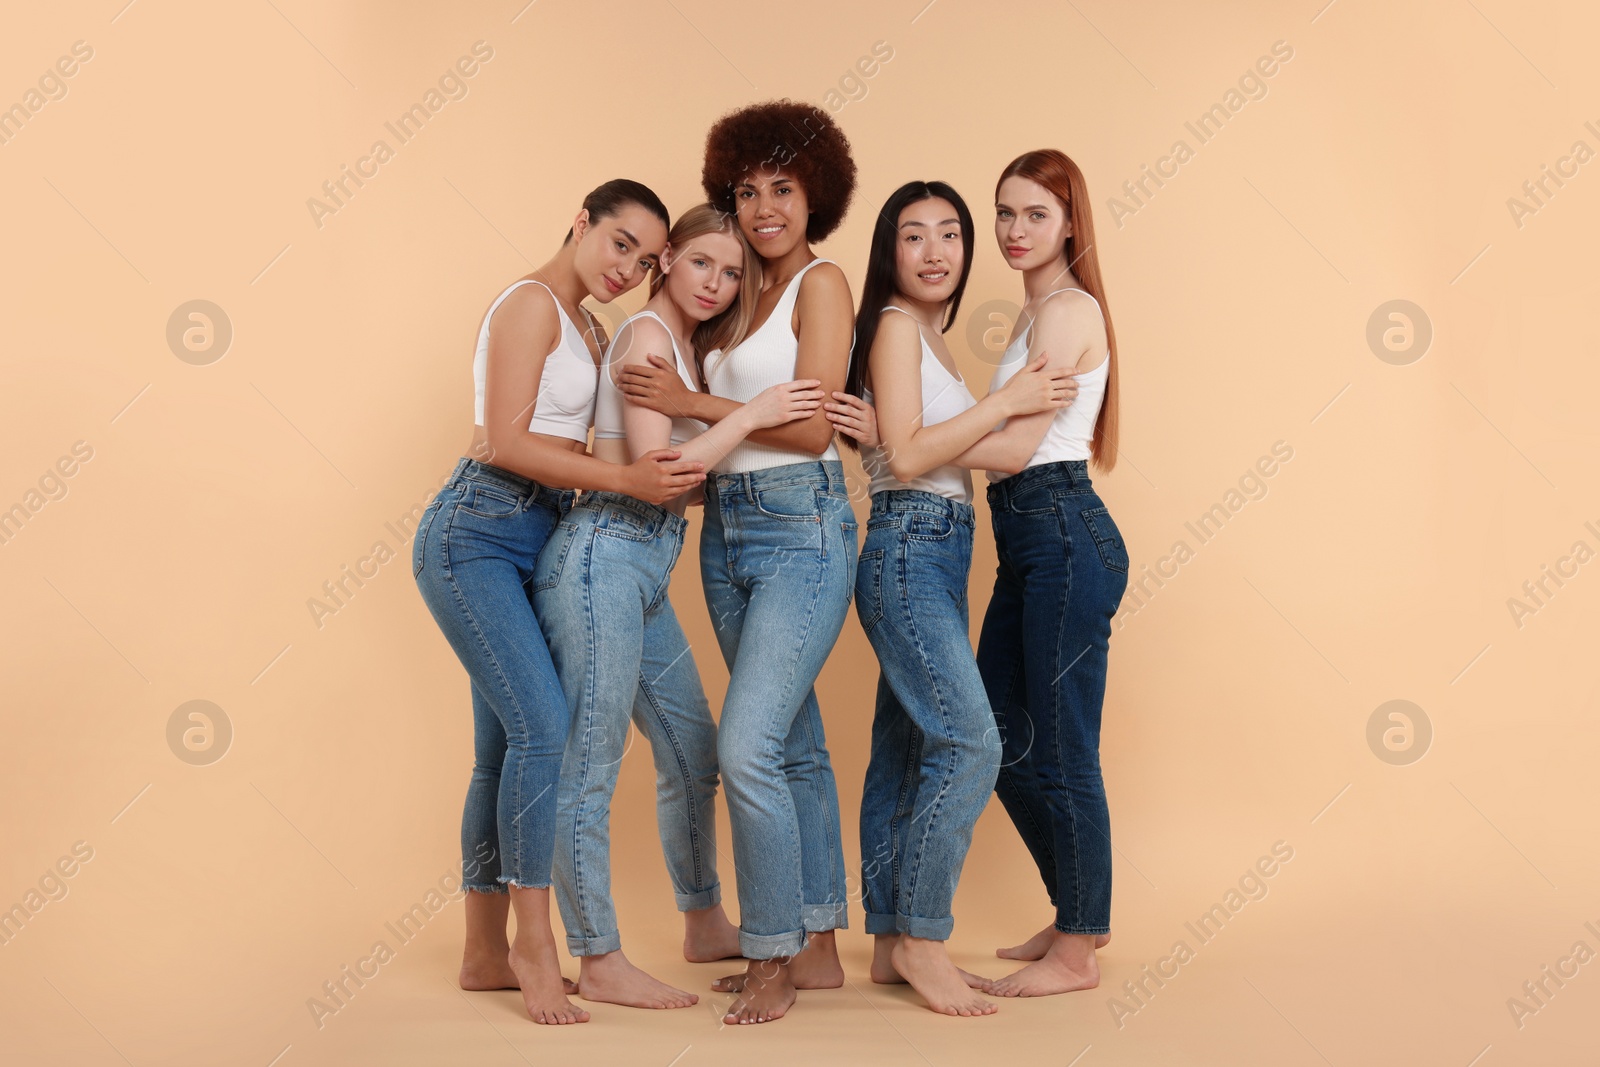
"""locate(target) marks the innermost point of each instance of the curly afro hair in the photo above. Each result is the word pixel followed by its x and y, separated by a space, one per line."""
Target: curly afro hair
pixel 800 139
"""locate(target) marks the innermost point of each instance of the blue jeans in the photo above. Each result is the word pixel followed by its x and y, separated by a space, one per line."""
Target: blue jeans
pixel 600 589
pixel 472 558
pixel 777 558
pixel 1063 568
pixel 934 749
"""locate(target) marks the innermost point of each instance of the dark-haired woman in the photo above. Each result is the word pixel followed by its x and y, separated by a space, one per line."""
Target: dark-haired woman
pixel 1062 571
pixel 474 554
pixel 778 551
pixel 934 755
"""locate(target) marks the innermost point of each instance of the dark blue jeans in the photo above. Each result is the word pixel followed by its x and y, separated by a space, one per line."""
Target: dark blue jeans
pixel 1063 569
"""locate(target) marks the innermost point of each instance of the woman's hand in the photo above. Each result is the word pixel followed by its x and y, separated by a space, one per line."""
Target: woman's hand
pixel 657 387
pixel 784 402
pixel 1035 389
pixel 855 418
pixel 660 475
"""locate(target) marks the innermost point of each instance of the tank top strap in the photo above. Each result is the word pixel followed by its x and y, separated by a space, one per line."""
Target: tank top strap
pixel 1071 289
pixel 791 292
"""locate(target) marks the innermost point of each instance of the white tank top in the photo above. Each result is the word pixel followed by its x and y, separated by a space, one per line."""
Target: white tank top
pixel 565 405
pixel 943 397
pixel 609 402
pixel 765 358
pixel 1071 432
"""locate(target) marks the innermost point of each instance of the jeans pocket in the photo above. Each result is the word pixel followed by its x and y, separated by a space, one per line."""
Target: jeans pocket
pixel 1107 538
pixel 794 503
pixel 553 557
pixel 419 542
pixel 487 502
pixel 928 526
pixel 869 589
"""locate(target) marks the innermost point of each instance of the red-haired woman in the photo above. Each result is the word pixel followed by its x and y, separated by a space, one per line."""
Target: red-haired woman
pixel 1062 571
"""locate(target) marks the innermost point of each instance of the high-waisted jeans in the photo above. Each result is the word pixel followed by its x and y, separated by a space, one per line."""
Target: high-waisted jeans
pixel 778 560
pixel 1063 569
pixel 600 588
pixel 473 556
pixel 935 751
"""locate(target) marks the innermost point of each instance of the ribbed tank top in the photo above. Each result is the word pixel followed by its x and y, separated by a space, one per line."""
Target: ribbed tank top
pixel 565 405
pixel 765 358
pixel 609 402
pixel 943 397
pixel 1071 432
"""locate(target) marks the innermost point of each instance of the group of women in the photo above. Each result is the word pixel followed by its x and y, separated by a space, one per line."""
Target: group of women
pixel 727 391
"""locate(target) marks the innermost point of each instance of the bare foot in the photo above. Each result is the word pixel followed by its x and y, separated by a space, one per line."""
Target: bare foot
pixel 1036 946
pixel 496 973
pixel 544 991
pixel 884 973
pixel 611 979
pixel 765 993
pixel 708 936
pixel 1068 964
pixel 816 966
pixel 926 965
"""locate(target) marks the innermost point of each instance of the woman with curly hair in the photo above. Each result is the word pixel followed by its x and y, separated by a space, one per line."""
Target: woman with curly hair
pixel 778 552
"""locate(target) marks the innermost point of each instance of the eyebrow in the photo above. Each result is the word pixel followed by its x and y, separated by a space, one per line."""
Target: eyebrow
pixel 634 241
pixel 1030 207
pixel 943 222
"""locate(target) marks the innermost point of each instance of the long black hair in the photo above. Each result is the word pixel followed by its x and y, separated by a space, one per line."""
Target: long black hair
pixel 882 274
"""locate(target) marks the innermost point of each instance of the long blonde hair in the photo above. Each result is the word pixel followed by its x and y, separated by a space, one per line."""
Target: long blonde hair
pixel 729 326
pixel 1060 175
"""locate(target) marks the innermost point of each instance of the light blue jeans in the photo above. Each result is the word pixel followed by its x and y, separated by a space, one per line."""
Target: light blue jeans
pixel 472 557
pixel 935 751
pixel 600 589
pixel 778 561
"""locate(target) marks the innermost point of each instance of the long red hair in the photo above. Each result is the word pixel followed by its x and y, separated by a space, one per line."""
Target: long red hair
pixel 1061 176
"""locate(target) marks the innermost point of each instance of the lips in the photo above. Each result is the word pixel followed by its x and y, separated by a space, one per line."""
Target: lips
pixel 934 277
pixel 1016 250
pixel 705 303
pixel 615 287
pixel 769 231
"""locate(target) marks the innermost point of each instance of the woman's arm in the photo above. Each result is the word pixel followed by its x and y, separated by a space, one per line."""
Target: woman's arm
pixel 1071 327
pixel 648 429
pixel 826 324
pixel 526 326
pixel 913 449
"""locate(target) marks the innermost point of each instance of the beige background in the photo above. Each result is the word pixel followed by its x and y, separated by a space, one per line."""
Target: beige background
pixel 1377 567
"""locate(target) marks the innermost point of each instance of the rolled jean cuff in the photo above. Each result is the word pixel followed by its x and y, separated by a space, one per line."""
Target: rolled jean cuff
pixel 878 923
pixel 706 898
pixel 594 946
pixel 1067 928
pixel 925 928
pixel 817 918
pixel 486 887
pixel 771 946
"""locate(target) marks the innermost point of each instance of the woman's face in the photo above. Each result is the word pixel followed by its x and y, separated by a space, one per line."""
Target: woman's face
pixel 617 251
pixel 772 212
pixel 1030 224
pixel 929 254
pixel 703 278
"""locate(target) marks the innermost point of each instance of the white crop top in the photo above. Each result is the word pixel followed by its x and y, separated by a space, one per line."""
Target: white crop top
pixel 943 397
pixel 565 405
pixel 609 403
pixel 765 358
pixel 1071 431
